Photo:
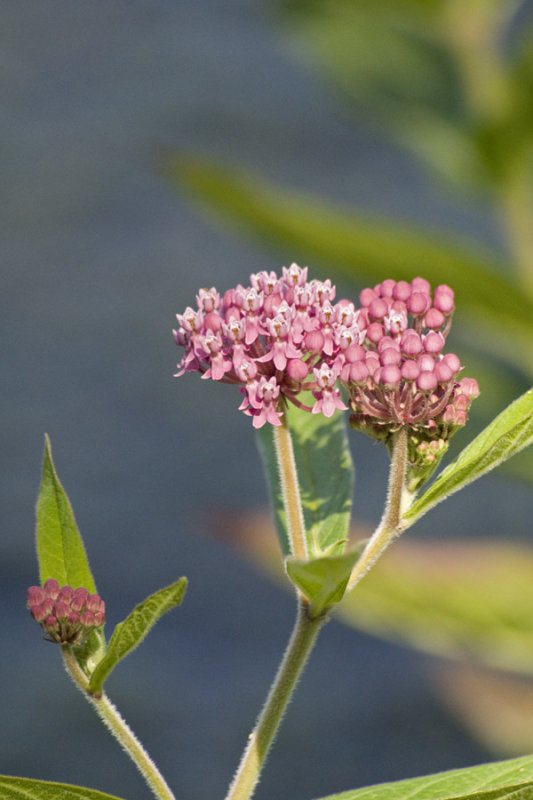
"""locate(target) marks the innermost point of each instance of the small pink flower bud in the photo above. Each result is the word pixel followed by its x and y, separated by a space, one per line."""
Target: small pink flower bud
pixel 61 609
pixel 421 285
pixel 354 353
pixel 35 596
pixel 411 343
pixel 390 357
pixel 426 381
pixel 469 387
pixel 442 372
pixel 402 291
pixel 51 587
pixel 443 301
pixel 418 303
pixel 359 372
pixel 377 309
pixel 410 370
pixel 99 618
pixel 425 362
pixel 93 603
pixel 79 599
pixel 66 593
pixel 372 363
pixel 433 342
pixel 73 618
pixel 41 612
pixel 297 369
pixel 389 376
pixel 374 332
pixel 87 619
pixel 434 318
pixel 314 341
pixel 387 287
pixel 366 296
pixel 385 342
pixel 452 361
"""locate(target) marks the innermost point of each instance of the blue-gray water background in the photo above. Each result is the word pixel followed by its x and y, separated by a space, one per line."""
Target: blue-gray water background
pixel 99 254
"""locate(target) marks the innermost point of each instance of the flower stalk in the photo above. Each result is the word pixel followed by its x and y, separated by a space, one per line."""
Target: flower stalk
pixel 262 737
pixel 397 498
pixel 118 727
pixel 290 489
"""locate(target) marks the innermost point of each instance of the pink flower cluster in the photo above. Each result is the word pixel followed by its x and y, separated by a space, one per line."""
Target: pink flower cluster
pixel 66 615
pixel 283 336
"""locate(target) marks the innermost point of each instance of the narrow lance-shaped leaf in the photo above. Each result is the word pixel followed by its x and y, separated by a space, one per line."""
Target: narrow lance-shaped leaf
pixel 510 432
pixel 503 780
pixel 60 548
pixel 130 633
pixel 325 475
pixel 323 581
pixel 29 789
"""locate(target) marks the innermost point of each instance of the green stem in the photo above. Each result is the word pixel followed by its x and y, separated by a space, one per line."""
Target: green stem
pixel 119 728
pixel 290 490
pixel 260 740
pixel 389 526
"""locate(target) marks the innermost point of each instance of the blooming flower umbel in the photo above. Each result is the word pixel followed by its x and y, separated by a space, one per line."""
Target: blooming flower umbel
pixel 281 337
pixel 66 615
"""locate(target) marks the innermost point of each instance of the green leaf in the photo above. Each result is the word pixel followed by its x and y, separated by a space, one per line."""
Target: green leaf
pixel 325 474
pixel 323 580
pixel 60 547
pixel 363 248
pixel 510 432
pixel 462 600
pixel 130 633
pixel 29 789
pixel 503 780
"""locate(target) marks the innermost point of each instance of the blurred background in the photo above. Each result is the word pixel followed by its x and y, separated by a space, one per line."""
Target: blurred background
pixel 148 149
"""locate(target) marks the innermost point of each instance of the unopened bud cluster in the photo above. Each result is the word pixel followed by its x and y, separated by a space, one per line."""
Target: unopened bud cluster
pixel 66 615
pixel 285 336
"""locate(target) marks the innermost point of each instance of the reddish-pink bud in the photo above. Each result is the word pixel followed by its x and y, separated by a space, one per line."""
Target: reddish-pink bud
pixel 434 318
pixel 442 372
pixel 425 362
pixel 359 372
pixel 390 357
pixel 410 370
pixel 433 342
pixel 314 341
pixel 297 369
pixel 443 302
pixel 387 287
pixel 35 596
pixel 93 603
pixel 389 376
pixel 51 587
pixel 61 609
pixel 452 361
pixel 411 343
pixel 354 353
pixel 417 303
pixel 99 618
pixel 66 593
pixel 366 296
pixel 87 619
pixel 377 309
pixel 385 342
pixel 372 362
pixel 402 291
pixel 374 332
pixel 421 285
pixel 469 387
pixel 426 381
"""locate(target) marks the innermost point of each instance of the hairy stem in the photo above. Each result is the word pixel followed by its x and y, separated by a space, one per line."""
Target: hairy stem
pixel 119 728
pixel 389 526
pixel 260 740
pixel 290 489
